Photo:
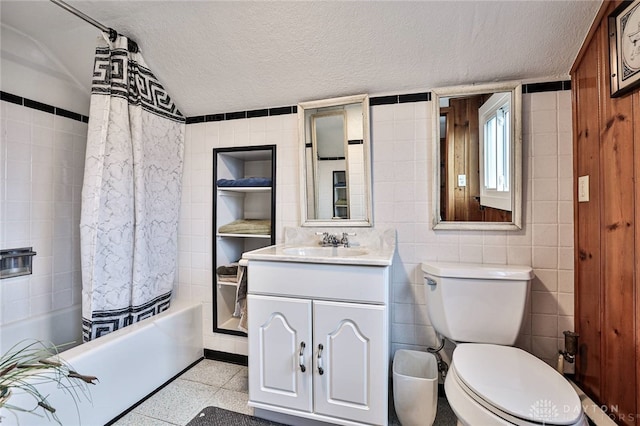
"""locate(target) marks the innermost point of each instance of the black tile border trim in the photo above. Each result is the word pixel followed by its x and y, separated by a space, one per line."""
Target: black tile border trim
pixel 552 86
pixel 226 357
pixel 265 112
pixel 30 103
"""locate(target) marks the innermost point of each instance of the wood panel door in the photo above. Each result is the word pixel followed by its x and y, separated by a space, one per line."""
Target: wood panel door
pixel 607 231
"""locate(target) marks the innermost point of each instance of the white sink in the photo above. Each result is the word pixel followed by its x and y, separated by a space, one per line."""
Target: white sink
pixel 324 251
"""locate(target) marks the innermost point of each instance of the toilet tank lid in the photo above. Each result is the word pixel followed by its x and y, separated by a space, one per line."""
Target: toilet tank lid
pixel 477 270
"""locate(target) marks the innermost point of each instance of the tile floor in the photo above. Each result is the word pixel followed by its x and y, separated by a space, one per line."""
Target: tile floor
pixel 219 384
pixel 208 383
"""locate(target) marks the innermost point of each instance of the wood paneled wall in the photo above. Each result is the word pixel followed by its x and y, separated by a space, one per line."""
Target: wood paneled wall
pixel 607 230
pixel 463 143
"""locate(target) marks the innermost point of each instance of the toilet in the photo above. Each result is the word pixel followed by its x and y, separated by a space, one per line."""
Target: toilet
pixel 480 308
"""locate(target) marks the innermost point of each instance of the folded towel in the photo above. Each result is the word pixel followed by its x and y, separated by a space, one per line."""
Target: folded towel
pixel 231 269
pixel 247 226
pixel 250 181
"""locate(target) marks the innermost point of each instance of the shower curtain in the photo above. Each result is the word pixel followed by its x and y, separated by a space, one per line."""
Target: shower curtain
pixel 130 193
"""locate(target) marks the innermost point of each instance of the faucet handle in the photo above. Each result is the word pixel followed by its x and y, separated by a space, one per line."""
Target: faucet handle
pixel 325 238
pixel 345 238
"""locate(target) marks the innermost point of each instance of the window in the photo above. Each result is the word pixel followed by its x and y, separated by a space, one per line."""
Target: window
pixel 495 146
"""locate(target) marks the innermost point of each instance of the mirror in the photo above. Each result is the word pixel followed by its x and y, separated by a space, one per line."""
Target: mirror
pixel 478 156
pixel 335 162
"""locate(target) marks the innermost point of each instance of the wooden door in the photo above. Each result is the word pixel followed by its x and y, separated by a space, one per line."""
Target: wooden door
pixel 606 148
pixel 279 331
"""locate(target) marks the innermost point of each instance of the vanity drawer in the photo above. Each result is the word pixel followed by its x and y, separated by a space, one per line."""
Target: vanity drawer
pixel 354 283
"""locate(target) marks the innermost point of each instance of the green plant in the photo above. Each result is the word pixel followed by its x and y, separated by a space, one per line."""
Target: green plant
pixel 30 364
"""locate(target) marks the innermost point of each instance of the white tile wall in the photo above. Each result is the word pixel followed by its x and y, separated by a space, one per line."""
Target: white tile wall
pixel 402 182
pixel 41 170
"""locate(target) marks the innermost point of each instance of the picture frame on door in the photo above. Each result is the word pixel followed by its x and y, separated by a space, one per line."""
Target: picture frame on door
pixel 624 48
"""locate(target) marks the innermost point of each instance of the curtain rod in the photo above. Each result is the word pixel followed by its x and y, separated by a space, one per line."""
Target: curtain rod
pixel 113 34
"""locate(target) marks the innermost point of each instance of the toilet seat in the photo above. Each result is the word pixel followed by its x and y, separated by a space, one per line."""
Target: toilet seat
pixel 512 385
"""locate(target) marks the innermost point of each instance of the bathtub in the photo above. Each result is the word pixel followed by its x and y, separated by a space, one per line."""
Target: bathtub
pixel 52 327
pixel 130 364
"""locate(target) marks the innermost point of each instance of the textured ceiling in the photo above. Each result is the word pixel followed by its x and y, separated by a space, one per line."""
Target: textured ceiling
pixel 215 56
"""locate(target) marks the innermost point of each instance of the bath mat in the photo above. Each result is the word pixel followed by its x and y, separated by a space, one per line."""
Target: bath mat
pixel 214 416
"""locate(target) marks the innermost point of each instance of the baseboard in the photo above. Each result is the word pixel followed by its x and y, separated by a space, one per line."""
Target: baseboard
pixel 226 357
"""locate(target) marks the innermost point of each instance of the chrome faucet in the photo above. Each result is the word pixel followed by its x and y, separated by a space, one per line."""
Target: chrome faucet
pixel 328 240
pixel 345 238
pixel 331 240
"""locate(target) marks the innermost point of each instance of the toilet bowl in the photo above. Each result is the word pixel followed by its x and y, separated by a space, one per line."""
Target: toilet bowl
pixel 480 308
pixel 501 385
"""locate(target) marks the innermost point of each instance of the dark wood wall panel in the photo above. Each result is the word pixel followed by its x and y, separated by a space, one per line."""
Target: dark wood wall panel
pixel 587 269
pixel 607 237
pixel 617 245
pixel 465 146
pixel 636 175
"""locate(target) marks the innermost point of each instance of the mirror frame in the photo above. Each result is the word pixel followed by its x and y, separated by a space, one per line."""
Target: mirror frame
pixel 516 161
pixel 366 141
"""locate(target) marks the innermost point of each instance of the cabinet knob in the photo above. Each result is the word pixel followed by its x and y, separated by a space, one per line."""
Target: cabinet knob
pixel 303 368
pixel 320 364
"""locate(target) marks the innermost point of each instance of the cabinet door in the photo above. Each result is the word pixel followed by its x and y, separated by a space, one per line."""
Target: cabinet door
pixel 278 326
pixel 353 357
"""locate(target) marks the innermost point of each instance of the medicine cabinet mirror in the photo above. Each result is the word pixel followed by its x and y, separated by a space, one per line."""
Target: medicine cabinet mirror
pixel 478 157
pixel 335 175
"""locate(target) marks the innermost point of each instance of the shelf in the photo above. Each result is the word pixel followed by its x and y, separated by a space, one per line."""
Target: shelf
pixel 244 188
pixel 231 324
pixel 242 199
pixel 243 236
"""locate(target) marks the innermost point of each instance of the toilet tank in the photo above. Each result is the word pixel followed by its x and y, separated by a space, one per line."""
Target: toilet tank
pixel 469 302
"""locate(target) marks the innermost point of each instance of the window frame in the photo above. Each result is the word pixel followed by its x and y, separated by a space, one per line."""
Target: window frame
pixel 489 197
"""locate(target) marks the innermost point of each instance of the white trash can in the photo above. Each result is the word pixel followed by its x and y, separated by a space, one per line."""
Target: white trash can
pixel 415 387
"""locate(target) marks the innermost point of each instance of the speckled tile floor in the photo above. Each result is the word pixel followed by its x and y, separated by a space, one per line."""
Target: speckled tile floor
pixel 208 383
pixel 219 384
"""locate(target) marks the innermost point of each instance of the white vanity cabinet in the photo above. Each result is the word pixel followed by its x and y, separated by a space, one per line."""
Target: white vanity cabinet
pixel 319 341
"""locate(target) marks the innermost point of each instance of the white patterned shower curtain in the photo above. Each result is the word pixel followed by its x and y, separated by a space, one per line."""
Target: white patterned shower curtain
pixel 130 195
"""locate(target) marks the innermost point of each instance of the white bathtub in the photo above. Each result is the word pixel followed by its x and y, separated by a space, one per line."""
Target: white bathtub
pixel 55 327
pixel 130 364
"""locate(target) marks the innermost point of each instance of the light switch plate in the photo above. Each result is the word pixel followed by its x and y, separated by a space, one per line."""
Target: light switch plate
pixel 462 180
pixel 583 189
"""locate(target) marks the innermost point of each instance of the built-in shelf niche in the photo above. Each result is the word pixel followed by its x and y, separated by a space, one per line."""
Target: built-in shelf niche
pixel 232 203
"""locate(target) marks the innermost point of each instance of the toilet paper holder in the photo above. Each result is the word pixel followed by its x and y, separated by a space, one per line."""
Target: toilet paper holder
pixel 570 346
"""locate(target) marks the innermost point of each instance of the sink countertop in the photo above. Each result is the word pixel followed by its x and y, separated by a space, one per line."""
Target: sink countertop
pixel 380 247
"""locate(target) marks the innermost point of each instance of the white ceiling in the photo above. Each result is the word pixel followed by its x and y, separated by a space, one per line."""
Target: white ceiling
pixel 225 56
